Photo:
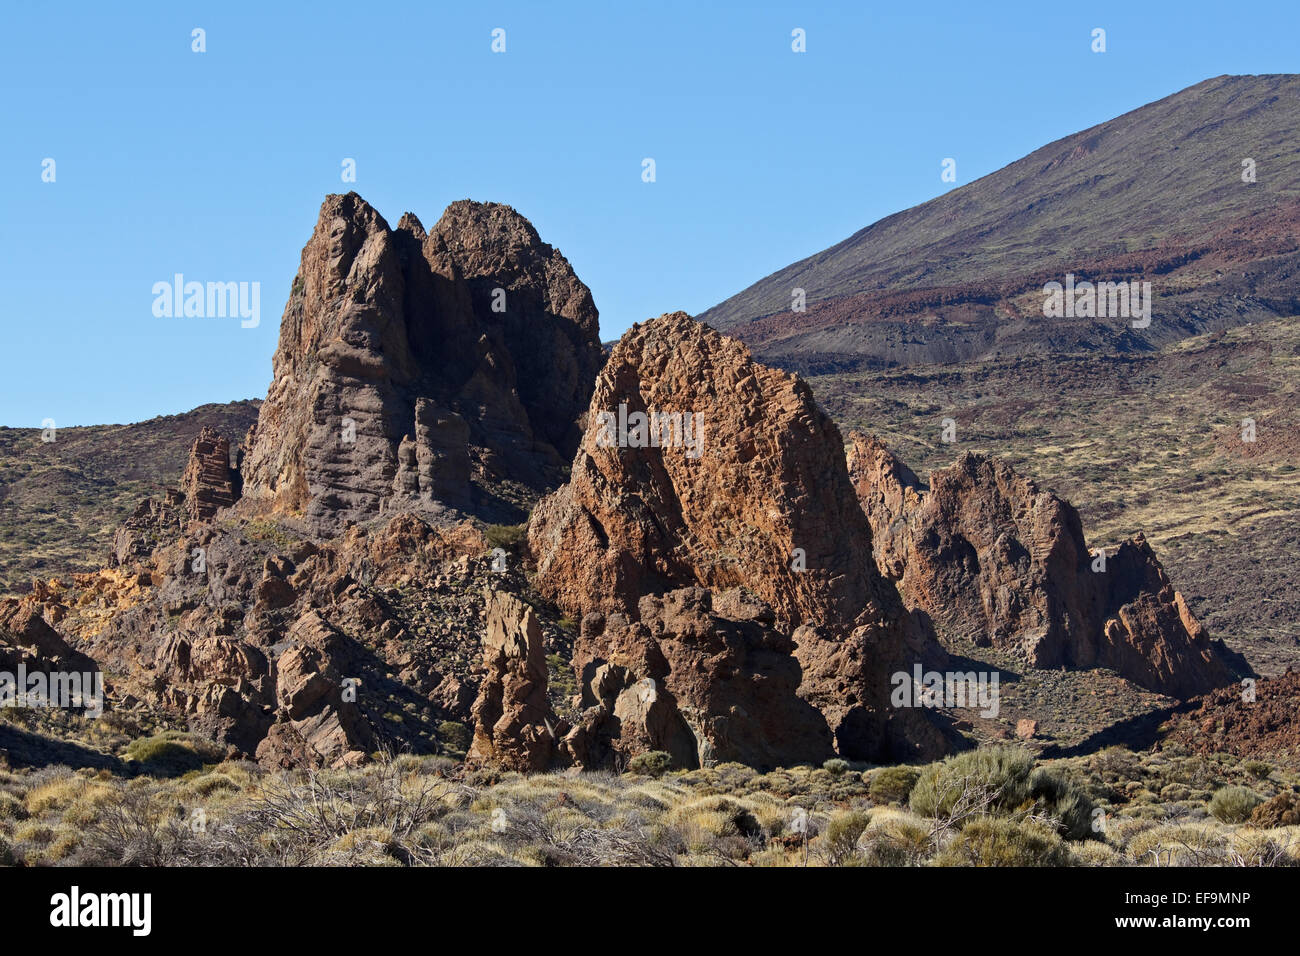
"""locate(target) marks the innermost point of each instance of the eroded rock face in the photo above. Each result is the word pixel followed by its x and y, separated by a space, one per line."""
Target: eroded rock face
pixel 752 494
pixel 704 683
pixel 514 726
pixel 209 483
pixel 396 379
pixel 991 559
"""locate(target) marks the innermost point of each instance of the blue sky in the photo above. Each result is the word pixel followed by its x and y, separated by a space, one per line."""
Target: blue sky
pixel 214 165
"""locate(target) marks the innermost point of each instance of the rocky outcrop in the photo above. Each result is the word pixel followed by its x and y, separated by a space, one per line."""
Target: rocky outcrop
pixel 988 558
pixel 525 293
pixel 27 639
pixel 209 483
pixel 701 469
pixel 154 521
pixel 416 370
pixel 705 683
pixel 1252 720
pixel 514 725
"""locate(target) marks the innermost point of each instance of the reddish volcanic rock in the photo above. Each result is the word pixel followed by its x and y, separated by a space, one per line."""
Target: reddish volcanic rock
pixel 989 558
pixel 514 726
pixel 403 380
pixel 209 483
pixel 1262 722
pixel 752 494
pixel 704 682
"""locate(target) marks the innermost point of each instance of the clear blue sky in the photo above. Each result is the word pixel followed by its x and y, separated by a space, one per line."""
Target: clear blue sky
pixel 214 165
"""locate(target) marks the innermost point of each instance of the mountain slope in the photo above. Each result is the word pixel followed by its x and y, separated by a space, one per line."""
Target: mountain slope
pixel 61 501
pixel 1155 195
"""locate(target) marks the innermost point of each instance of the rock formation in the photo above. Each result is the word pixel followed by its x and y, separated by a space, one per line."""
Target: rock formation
pixel 514 726
pixel 422 369
pixel 735 479
pixel 209 483
pixel 28 642
pixel 704 682
pixel 990 559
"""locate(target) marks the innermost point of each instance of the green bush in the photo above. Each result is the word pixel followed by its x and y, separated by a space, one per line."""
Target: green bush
pixel 893 784
pixel 1001 771
pixel 839 843
pixel 454 737
pixel 991 841
pixel 836 767
pixel 1257 768
pixel 1007 779
pixel 172 753
pixel 506 536
pixel 653 763
pixel 895 843
pixel 1234 804
pixel 1057 797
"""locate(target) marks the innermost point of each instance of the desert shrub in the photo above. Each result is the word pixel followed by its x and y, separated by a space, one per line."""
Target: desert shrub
pixel 1116 763
pixel 893 784
pixel 1257 769
pixel 1174 845
pixel 1257 848
pixel 55 794
pixel 972 781
pixel 1054 796
pixel 172 753
pixel 992 841
pixel 34 832
pixel 839 841
pixel 1095 853
pixel 1234 804
pixel 11 807
pixel 1174 792
pixel 652 763
pixel 454 737
pixel 895 841
pixel 836 767
pixel 1282 810
pixel 264 529
pixel 210 783
pixel 508 537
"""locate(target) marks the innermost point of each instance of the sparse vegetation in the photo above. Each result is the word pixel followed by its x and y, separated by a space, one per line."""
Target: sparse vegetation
pixel 1004 809
pixel 509 537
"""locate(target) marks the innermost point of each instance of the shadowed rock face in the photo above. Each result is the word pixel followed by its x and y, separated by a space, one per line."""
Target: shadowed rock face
pixel 757 488
pixel 396 383
pixel 991 559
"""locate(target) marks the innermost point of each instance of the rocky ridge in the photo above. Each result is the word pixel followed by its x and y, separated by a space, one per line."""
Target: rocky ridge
pixel 987 558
